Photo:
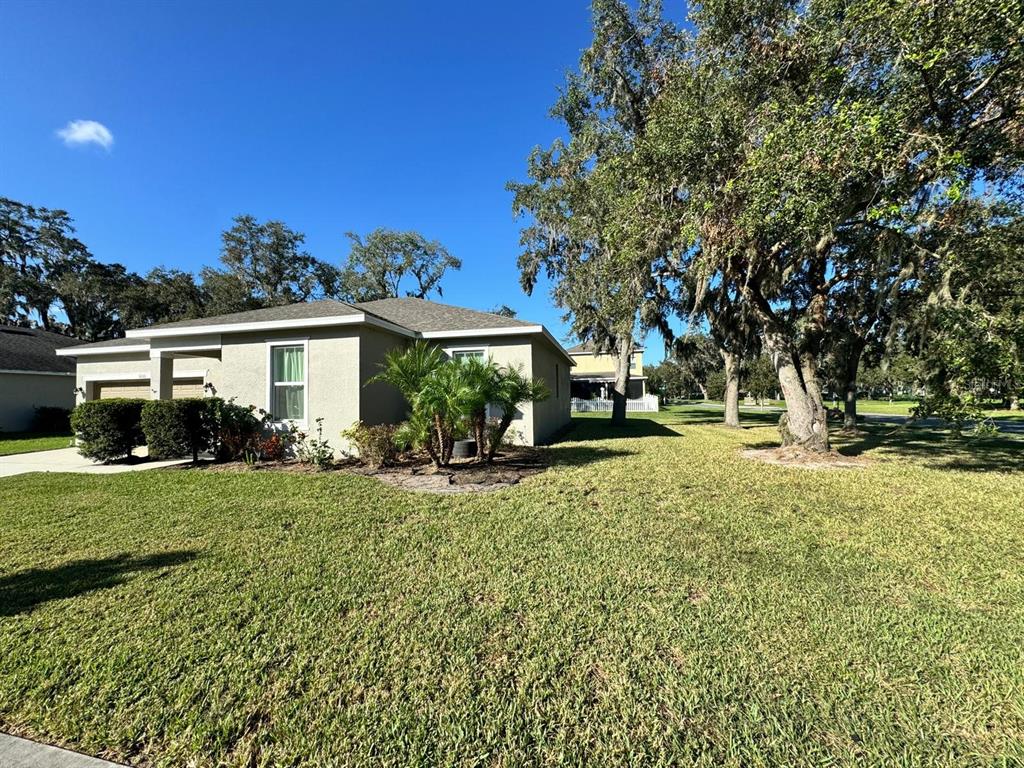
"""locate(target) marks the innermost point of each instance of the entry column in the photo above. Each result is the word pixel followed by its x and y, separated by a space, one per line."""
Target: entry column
pixel 161 375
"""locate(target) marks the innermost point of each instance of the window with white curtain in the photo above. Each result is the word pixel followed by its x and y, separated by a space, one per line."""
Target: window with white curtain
pixel 459 354
pixel 288 382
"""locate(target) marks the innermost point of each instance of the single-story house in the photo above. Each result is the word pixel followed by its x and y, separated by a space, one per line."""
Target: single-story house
pixel 593 374
pixel 313 360
pixel 32 376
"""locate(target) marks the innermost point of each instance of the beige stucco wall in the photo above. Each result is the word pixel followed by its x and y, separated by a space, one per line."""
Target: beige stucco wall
pixel 22 393
pixel 553 414
pixel 605 363
pixel 332 377
pixel 378 403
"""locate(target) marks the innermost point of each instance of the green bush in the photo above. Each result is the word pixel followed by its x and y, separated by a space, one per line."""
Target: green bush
pixel 376 444
pixel 51 419
pixel 108 429
pixel 177 428
pixel 314 450
pixel 237 430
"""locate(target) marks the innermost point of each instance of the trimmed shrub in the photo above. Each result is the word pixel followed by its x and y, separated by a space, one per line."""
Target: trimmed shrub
pixel 51 419
pixel 376 444
pixel 177 428
pixel 108 429
pixel 237 430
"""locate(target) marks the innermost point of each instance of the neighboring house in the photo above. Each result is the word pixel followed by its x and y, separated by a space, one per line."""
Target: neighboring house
pixel 32 376
pixel 306 361
pixel 593 376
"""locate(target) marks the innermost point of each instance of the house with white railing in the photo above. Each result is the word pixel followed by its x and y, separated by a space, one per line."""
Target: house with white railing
pixel 593 379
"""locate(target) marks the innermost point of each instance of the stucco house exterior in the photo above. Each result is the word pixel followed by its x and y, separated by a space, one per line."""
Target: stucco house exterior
pixel 593 374
pixel 32 376
pixel 313 360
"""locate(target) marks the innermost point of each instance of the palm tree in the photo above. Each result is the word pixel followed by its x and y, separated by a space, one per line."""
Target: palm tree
pixel 511 390
pixel 444 394
pixel 407 368
pixel 481 378
pixel 448 396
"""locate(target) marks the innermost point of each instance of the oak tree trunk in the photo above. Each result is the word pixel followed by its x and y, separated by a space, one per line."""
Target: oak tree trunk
pixel 732 389
pixel 620 390
pixel 852 363
pixel 805 422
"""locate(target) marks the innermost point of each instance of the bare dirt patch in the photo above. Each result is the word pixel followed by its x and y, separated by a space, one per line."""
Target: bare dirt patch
pixel 798 457
pixel 413 473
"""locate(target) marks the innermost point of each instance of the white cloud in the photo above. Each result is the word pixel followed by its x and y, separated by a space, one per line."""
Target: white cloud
pixel 86 132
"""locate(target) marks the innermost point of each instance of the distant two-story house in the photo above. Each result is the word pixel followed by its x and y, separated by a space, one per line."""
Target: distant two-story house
pixel 593 374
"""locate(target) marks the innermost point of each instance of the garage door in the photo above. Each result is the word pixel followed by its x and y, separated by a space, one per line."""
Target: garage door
pixel 187 388
pixel 182 388
pixel 108 389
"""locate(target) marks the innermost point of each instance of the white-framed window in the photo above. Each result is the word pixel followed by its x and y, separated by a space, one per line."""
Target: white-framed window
pixel 287 380
pixel 459 353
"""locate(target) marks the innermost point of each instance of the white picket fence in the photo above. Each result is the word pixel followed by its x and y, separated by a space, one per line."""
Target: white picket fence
pixel 647 403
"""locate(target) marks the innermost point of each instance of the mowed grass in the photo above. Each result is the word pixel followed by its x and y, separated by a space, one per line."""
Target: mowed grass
pixel 882 407
pixel 28 442
pixel 653 599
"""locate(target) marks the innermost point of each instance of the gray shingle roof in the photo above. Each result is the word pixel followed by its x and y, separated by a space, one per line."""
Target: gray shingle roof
pixel 417 315
pixel 425 316
pixel 302 311
pixel 31 349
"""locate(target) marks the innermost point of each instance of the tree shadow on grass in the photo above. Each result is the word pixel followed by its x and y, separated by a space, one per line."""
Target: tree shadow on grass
pixel 22 591
pixel 589 428
pixel 700 415
pixel 935 448
pixel 579 455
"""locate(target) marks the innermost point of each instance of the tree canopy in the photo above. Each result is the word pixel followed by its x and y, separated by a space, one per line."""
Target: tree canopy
pixel 379 264
pixel 49 278
pixel 795 165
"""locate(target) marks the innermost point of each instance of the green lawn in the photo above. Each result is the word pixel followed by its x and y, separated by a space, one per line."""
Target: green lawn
pixel 653 599
pixel 886 408
pixel 27 442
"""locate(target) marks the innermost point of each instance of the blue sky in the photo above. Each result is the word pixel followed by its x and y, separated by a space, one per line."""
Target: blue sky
pixel 333 117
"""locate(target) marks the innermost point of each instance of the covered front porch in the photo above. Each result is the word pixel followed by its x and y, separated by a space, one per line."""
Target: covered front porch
pixel 601 387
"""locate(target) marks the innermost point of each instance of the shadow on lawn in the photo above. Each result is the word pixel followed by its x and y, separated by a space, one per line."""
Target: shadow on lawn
pixel 23 591
pixel 590 428
pixel 698 415
pixel 935 449
pixel 578 456
pixel 931 448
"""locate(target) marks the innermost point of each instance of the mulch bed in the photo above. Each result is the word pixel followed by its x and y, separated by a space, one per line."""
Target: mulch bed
pixel 460 476
pixel 415 473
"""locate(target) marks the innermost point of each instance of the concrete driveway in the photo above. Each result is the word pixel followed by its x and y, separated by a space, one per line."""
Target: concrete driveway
pixel 69 460
pixel 22 753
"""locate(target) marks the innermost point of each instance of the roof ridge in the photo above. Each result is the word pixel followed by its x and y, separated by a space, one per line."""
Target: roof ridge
pixel 515 320
pixel 40 330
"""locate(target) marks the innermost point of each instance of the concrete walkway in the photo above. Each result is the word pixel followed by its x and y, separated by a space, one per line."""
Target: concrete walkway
pixel 69 460
pixel 22 753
